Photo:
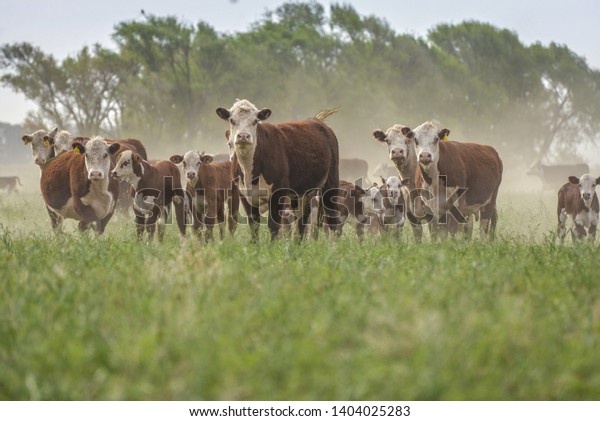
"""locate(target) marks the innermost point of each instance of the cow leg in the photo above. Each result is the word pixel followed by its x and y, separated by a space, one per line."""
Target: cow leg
pixel 102 223
pixel 180 217
pixel 221 219
pixel 55 221
pixel 579 231
pixel 330 208
pixel 233 206
pixel 275 210
pixel 140 223
pixel 162 221
pixel 562 224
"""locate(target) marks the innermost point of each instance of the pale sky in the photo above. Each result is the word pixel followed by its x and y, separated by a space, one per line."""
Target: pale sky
pixel 62 27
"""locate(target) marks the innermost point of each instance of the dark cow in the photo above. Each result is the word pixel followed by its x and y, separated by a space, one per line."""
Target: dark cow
pixel 553 176
pixel 209 185
pixel 457 178
pixel 10 183
pixel 161 183
pixel 354 169
pixel 578 199
pixel 77 185
pixel 286 159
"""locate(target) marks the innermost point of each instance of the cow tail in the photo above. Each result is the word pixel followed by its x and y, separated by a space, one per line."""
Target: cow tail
pixel 323 115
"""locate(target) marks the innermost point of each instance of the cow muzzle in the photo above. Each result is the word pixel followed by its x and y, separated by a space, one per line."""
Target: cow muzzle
pixel 191 176
pixel 95 175
pixel 40 161
pixel 425 158
pixel 586 196
pixel 243 139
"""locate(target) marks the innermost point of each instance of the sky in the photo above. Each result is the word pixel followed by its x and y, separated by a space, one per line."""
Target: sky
pixel 63 27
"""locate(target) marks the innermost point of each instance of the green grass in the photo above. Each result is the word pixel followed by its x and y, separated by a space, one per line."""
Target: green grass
pixel 112 318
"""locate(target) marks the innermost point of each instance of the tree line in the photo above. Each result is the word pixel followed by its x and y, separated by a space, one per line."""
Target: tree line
pixel 165 78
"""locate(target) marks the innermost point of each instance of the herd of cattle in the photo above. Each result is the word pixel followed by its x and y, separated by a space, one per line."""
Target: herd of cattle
pixel 287 172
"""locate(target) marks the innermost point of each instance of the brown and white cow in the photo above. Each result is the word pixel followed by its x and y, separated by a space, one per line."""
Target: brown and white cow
pixel 209 185
pixel 10 183
pixel 402 151
pixel 77 185
pixel 41 149
pixel 395 192
pixel 286 159
pixel 578 199
pixel 154 188
pixel 457 178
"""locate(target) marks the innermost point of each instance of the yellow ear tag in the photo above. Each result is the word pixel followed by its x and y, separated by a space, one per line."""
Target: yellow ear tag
pixel 446 137
pixel 76 150
pixel 46 143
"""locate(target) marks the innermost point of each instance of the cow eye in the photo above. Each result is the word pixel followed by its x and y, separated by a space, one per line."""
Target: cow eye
pixel 416 141
pixel 232 121
pixel 255 122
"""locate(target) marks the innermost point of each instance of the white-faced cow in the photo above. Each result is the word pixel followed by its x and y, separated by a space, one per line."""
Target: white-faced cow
pixel 395 192
pixel 209 185
pixel 458 178
pixel 154 188
pixel 403 153
pixel 77 185
pixel 41 149
pixel 578 199
pixel 287 159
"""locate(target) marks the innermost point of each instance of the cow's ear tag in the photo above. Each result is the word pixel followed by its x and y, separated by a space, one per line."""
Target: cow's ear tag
pixel 446 137
pixel 76 150
pixel 46 143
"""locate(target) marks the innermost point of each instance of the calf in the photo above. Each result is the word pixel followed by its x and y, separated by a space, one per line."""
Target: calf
pixel 161 183
pixel 10 183
pixel 210 185
pixel 578 199
pixel 77 185
pixel 287 159
pixel 395 193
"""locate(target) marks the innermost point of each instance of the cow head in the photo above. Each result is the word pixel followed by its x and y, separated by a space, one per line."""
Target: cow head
pixel 399 140
pixel 427 141
pixel 129 164
pixel 373 201
pixel 393 187
pixel 41 145
pixel 62 142
pixel 587 187
pixel 97 157
pixel 243 118
pixel 191 163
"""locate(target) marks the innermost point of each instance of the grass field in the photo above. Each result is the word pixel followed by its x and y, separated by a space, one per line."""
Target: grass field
pixel 112 318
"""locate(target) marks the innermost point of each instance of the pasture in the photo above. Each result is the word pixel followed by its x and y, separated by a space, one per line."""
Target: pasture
pixel 112 318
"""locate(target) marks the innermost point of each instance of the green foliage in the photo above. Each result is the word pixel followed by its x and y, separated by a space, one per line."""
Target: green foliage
pixel 167 77
pixel 112 318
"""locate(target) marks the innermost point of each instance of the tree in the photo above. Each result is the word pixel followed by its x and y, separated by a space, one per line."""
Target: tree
pixel 79 94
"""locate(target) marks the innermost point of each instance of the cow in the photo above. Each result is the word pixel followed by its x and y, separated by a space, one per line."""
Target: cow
pixel 354 169
pixel 77 185
pixel 395 195
pixel 553 176
pixel 457 178
pixel 10 183
pixel 41 149
pixel 403 153
pixel 159 181
pixel 209 185
pixel 286 159
pixel 578 199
